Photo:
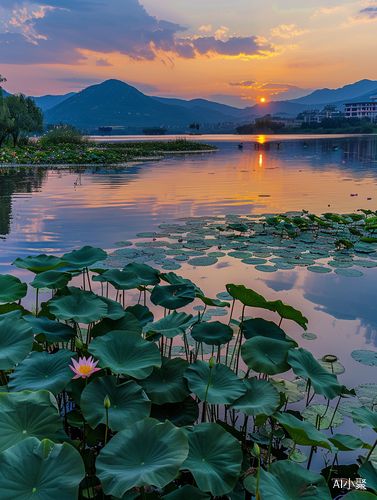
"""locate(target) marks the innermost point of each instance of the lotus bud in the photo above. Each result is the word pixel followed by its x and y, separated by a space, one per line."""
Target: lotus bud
pixel 106 402
pixel 256 450
pixel 212 362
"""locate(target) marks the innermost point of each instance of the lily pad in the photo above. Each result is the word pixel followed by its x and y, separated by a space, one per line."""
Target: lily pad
pixel 308 336
pixel 254 261
pixel 321 416
pixel 11 288
pixel 166 384
pixel 126 353
pixel 149 453
pixel 173 266
pixel 214 458
pixel 346 408
pixel 43 371
pixel 266 268
pixel 319 269
pixel 366 357
pixel 216 254
pixel 352 273
pixel 367 395
pixel 202 261
pixel 128 403
pixel 225 386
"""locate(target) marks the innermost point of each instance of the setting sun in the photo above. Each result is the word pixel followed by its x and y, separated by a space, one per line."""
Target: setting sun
pixel 263 99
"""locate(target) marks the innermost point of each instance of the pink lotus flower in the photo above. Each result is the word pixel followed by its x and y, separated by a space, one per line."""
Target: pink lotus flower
pixel 84 367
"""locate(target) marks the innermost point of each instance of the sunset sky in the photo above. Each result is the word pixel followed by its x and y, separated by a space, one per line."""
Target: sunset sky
pixel 233 52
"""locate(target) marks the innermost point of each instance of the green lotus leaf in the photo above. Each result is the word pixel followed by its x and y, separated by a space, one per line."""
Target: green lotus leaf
pixel 16 341
pixel 308 336
pixel 345 442
pixel 180 414
pixel 212 333
pixel 84 257
pixel 288 312
pixel 166 384
pixel 215 458
pixel 266 355
pixel 346 408
pixel 128 323
pixel 288 388
pixel 225 386
pixel 359 495
pixel 16 314
pixel 11 308
pixel 335 368
pixel 147 275
pixel 27 414
pixel 365 357
pixel 122 280
pixel 247 296
pixel 37 470
pixel 150 452
pixel 128 403
pixel 369 473
pixel 202 261
pixel 51 279
pixel 303 433
pixel 173 296
pixel 172 325
pixel 367 395
pixel 261 327
pixel 365 418
pixel 11 288
pixel 114 309
pixel 141 313
pixel 212 302
pixel 304 364
pixel 173 279
pixel 127 353
pixel 40 263
pixel 43 371
pixel 52 330
pixel 82 307
pixel 287 480
pixel 260 397
pixel 188 492
pixel 321 416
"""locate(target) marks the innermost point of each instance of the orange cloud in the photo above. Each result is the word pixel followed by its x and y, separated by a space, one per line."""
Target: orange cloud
pixel 287 31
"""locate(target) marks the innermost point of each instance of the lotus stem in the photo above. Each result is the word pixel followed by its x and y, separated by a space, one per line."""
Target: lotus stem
pixel 186 346
pixel 331 468
pixel 107 425
pixel 83 279
pixel 218 354
pixel 36 303
pixel 87 274
pixel 143 495
pixel 257 494
pixel 336 407
pixel 292 450
pixel 310 457
pixel 171 345
pixel 371 450
pixel 145 297
pixel 231 311
pixel 270 444
pixel 308 386
pixel 3 377
pixel 205 397
pixel 281 319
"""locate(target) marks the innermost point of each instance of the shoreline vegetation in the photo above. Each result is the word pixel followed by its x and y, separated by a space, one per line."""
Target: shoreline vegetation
pixel 91 153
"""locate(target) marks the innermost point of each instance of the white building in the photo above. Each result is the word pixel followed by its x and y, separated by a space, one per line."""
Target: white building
pixel 362 109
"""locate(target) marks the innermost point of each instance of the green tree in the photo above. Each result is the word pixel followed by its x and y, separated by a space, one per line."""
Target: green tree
pixel 5 119
pixel 26 116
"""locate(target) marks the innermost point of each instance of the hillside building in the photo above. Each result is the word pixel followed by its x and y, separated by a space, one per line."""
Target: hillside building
pixel 362 109
pixel 316 116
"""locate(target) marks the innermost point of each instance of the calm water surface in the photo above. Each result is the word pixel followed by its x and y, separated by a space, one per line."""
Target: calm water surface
pixel 46 210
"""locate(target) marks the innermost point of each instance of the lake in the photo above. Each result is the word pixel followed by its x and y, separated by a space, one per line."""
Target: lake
pixel 46 210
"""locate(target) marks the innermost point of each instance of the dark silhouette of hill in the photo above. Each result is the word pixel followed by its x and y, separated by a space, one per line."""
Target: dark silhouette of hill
pixel 203 103
pixel 330 96
pixel 115 103
pixel 46 102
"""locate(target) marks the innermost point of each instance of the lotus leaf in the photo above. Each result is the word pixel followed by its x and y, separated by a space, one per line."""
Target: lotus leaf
pixel 365 357
pixel 202 261
pixel 344 442
pixel 127 353
pixel 52 330
pixel 288 312
pixel 27 414
pixel 40 263
pixel 288 388
pixel 321 416
pixel 149 453
pixel 141 313
pixel 212 333
pixel 346 408
pixel 166 384
pixel 254 261
pixel 173 279
pixel 365 418
pixel 352 273
pixel 146 274
pixel 122 280
pixel 82 307
pixel 43 371
pixel 128 323
pixel 367 395
pixel 336 368
pixel 359 495
pixel 261 397
pixel 84 257
pixel 266 355
pixel 180 414
pixel 319 269
pixel 16 314
pixel 16 341
pixel 261 327
pixel 247 296
pixel 11 288
pixel 287 480
pixel 173 296
pixel 128 403
pixel 187 492
pixel 212 302
pixel 303 433
pixel 172 325
pixel 51 279
pixel 369 472
pixel 225 386
pixel 114 309
pixel 37 470
pixel 304 364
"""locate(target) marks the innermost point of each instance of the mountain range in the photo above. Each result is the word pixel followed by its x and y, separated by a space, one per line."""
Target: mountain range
pixel 115 103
